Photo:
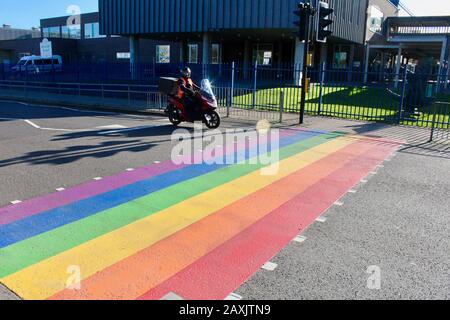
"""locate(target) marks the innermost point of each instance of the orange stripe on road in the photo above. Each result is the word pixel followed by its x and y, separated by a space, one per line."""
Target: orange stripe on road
pixel 137 274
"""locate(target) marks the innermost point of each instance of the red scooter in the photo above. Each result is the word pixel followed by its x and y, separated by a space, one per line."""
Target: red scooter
pixel 206 104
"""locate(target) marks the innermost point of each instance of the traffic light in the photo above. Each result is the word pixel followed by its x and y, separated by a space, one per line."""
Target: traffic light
pixel 304 12
pixel 324 22
pixel 300 22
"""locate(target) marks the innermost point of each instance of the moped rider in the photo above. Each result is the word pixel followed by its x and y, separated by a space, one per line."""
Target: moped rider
pixel 187 91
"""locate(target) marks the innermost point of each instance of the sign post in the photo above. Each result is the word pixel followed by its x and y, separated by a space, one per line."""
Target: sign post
pixel 46 48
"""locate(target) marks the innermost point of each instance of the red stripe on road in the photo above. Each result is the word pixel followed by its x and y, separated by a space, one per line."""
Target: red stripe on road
pixel 227 267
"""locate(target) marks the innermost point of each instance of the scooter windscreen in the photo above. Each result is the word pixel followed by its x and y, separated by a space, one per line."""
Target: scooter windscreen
pixel 207 92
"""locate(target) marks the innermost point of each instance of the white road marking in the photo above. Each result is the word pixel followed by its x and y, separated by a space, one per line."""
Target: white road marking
pixel 339 203
pixel 130 169
pixel 299 239
pixel 112 127
pixel 87 111
pixel 233 297
pixel 352 191
pixel 98 178
pixel 321 219
pixel 364 181
pixel 32 124
pixel 63 130
pixel 60 189
pixel 171 296
pixel 374 173
pixel 125 130
pixel 16 202
pixel 157 162
pixel 269 266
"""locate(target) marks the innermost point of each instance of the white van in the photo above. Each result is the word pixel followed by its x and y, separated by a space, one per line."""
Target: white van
pixel 37 64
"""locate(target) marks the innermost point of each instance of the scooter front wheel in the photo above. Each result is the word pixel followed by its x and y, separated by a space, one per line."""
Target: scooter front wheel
pixel 212 120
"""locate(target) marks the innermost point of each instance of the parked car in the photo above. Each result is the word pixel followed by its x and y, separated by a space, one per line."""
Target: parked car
pixel 37 64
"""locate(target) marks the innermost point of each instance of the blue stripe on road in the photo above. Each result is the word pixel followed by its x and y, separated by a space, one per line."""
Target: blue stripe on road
pixel 55 218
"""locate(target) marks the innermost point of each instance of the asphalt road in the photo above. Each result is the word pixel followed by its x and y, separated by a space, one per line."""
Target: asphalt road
pixel 397 222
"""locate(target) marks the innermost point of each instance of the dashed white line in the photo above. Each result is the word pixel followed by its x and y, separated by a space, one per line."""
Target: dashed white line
pixel 321 219
pixel 98 178
pixel 339 203
pixel 352 191
pixel 171 296
pixel 233 297
pixel 269 266
pixel 16 202
pixel 60 189
pixel 299 239
pixel 130 169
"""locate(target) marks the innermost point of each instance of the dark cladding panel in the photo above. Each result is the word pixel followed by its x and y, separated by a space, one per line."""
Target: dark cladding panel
pixel 252 14
pixel 349 19
pixel 194 16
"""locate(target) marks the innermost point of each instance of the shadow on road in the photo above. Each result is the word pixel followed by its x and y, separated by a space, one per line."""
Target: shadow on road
pixel 156 131
pixel 416 140
pixel 71 154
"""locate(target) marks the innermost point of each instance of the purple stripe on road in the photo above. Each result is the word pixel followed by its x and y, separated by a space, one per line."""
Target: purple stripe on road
pixel 34 206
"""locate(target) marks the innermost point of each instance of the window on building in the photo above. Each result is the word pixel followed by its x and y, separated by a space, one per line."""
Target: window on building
pixel 263 54
pixel 45 33
pixel 193 53
pixel 163 54
pixel 64 32
pixel 92 31
pixel 341 56
pixel 215 53
pixel 51 32
pixel 123 55
pixel 71 32
pixel 376 18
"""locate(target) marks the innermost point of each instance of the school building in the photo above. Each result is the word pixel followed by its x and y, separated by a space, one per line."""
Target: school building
pixel 207 31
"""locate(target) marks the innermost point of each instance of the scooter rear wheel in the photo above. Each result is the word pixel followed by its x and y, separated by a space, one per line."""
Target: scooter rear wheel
pixel 174 115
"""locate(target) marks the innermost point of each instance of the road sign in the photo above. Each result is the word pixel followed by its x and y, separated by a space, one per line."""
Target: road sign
pixel 46 48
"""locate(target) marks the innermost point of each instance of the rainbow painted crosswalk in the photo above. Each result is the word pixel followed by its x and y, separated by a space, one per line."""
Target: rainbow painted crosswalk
pixel 195 230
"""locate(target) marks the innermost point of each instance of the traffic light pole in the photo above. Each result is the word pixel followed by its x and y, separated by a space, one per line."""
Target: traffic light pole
pixel 306 21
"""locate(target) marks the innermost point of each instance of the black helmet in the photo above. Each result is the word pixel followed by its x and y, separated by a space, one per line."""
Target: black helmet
pixel 186 72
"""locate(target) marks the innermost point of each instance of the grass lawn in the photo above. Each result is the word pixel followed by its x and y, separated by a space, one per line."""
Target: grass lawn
pixel 363 103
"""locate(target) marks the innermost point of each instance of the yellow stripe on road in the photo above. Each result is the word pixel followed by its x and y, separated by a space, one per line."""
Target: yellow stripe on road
pixel 44 279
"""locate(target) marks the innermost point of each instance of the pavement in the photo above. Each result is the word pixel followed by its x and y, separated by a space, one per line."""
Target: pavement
pixel 394 222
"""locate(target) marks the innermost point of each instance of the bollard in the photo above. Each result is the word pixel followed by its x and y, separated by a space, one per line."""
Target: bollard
pixel 433 124
pixel 281 105
pixel 322 81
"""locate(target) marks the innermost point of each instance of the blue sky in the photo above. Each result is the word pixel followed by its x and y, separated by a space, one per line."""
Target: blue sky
pixel 27 13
